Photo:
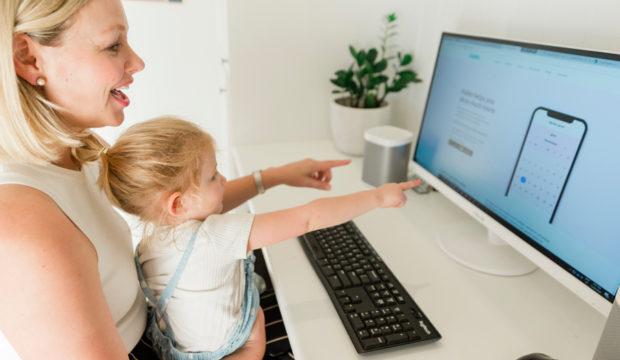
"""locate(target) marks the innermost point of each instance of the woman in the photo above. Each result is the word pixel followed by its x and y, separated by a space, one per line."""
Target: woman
pixel 69 286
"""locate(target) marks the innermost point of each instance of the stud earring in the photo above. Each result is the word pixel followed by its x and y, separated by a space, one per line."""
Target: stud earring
pixel 41 81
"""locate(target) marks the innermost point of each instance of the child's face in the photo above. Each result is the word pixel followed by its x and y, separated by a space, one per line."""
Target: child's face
pixel 207 200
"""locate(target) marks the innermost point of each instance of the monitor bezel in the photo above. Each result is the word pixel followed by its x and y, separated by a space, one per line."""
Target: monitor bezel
pixel 550 263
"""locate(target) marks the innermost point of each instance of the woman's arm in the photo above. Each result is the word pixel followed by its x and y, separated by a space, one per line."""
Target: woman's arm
pixel 277 226
pixel 53 302
pixel 304 173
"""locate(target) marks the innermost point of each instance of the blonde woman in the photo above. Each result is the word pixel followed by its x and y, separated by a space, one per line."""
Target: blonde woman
pixel 69 284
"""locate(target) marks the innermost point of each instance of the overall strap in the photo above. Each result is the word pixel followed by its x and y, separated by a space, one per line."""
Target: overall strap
pixel 174 280
pixel 160 305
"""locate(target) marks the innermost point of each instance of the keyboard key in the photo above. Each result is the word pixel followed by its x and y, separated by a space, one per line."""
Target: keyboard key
pixel 342 276
pixel 354 279
pixel 374 332
pixel 327 270
pixel 340 293
pixel 348 308
pixel 363 334
pixel 397 338
pixel 356 322
pixel 373 342
pixel 372 275
pixel 356 299
pixel 407 326
pixel 413 336
pixel 370 323
pixel 334 282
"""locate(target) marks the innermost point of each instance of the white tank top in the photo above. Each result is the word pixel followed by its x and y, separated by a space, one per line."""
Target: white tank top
pixel 79 197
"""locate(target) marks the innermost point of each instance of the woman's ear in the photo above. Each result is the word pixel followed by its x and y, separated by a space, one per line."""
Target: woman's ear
pixel 174 205
pixel 26 58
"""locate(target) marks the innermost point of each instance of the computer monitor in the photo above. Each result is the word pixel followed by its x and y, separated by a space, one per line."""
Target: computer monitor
pixel 524 138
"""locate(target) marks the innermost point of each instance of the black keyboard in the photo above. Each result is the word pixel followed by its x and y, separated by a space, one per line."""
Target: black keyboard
pixel 376 310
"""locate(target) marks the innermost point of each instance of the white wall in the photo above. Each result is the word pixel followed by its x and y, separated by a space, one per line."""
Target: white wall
pixel 284 52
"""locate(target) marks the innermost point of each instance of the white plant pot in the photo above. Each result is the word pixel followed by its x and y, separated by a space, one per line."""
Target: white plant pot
pixel 348 125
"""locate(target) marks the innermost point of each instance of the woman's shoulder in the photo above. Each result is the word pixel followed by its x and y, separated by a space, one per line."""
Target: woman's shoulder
pixel 31 218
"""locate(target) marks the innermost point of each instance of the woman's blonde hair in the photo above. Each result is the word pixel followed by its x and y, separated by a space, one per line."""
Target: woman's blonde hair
pixel 150 160
pixel 31 129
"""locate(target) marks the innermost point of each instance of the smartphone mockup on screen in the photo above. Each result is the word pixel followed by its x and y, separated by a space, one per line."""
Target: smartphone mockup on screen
pixel 545 161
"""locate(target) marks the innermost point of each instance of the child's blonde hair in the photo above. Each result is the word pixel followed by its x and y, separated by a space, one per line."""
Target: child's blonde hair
pixel 151 160
pixel 31 129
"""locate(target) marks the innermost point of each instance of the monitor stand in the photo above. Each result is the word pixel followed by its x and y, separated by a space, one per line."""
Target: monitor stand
pixel 478 248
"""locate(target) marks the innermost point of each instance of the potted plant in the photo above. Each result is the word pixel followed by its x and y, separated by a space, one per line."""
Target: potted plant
pixel 367 82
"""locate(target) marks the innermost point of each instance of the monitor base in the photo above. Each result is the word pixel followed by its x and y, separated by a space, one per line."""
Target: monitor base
pixel 474 246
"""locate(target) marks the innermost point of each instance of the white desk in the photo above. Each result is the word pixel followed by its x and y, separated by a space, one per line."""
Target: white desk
pixel 479 316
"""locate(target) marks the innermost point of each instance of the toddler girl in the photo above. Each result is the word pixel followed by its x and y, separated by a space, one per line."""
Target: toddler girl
pixel 196 264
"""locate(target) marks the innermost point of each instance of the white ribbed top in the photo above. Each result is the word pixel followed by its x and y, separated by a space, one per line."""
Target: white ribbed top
pixel 78 196
pixel 206 305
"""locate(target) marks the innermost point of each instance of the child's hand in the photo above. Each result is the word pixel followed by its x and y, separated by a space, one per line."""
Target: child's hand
pixel 391 195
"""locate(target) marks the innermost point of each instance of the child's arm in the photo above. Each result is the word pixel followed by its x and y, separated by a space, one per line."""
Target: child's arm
pixel 280 225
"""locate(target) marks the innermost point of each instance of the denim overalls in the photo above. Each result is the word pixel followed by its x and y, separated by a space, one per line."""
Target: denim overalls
pixel 159 331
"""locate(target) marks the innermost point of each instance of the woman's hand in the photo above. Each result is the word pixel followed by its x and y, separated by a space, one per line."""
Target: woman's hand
pixel 254 348
pixel 391 195
pixel 308 173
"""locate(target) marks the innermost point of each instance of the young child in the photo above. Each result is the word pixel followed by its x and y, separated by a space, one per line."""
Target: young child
pixel 194 262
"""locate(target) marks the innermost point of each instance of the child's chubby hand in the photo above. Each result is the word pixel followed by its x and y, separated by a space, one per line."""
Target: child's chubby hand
pixel 391 195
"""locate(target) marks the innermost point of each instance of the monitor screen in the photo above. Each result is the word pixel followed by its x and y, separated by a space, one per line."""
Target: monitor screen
pixel 529 134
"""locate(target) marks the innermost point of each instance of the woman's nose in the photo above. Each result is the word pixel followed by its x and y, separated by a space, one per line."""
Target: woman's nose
pixel 135 62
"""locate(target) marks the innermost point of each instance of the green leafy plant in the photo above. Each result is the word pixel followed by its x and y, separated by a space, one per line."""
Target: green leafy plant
pixel 368 80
